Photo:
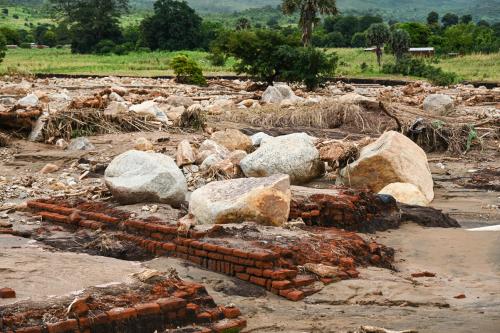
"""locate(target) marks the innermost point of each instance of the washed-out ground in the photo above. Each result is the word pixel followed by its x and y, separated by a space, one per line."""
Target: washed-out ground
pixel 465 263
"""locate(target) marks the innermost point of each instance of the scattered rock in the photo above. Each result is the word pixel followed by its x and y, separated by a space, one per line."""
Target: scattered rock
pixel 143 144
pixel 232 139
pixel 393 158
pixel 321 270
pixel 136 176
pixel 148 108
pixel 36 134
pixel 210 161
pixel 7 293
pixel 179 101
pixel 439 105
pixel 209 147
pixel 30 100
pixel 175 114
pixel 236 156
pixel 353 98
pixel 61 144
pixel 423 274
pixel 406 193
pixel 293 154
pixel 49 168
pixel 116 108
pixel 185 154
pixel 460 296
pixel 277 93
pixel 80 143
pixel 263 200
pixel 224 104
pixel 115 97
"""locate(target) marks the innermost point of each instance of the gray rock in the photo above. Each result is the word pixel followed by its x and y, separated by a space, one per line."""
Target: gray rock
pixel 29 100
pixel 36 134
pixel 136 176
pixel 179 101
pixel 148 108
pixel 278 93
pixel 209 147
pixel 262 200
pixel 115 97
pixel 439 104
pixel 80 143
pixel 116 108
pixel 294 155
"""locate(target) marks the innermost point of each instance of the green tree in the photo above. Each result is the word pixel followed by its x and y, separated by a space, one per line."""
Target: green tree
pixel 378 34
pixel 433 18
pixel 348 26
pixel 187 70
pixel 243 24
pixel 91 21
pixel 449 19
pixel 358 40
pixel 400 43
pixel 309 11
pixel 367 20
pixel 419 32
pixel 483 23
pixel 173 26
pixel 10 36
pixel 3 47
pixel 466 19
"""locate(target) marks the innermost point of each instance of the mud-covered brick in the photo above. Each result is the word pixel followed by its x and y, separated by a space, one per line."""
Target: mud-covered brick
pixel 7 293
pixel 282 284
pixel 147 309
pixel 254 271
pixel 119 314
pixel 258 281
pixel 63 326
pixel 227 325
pixel 243 276
pixel 231 312
pixel 171 304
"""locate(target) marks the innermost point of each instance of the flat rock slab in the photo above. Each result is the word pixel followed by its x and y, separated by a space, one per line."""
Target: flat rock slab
pixel 35 273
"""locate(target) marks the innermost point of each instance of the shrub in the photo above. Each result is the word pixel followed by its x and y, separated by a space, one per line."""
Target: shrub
pixel 187 70
pixel 120 49
pixel 400 43
pixel 418 67
pixel 25 46
pixel 306 64
pixel 105 46
pixel 217 59
pixel 269 55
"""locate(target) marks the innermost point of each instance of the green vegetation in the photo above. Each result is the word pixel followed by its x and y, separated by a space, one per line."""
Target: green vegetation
pixel 352 63
pixel 187 70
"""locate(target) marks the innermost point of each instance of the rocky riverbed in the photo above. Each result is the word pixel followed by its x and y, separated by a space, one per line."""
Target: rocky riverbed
pixel 340 193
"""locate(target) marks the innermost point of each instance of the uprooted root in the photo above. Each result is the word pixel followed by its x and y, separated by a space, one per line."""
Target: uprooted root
pixel 326 116
pixel 86 122
pixel 435 136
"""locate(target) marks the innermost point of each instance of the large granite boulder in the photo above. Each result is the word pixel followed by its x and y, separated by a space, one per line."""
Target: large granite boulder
pixel 439 105
pixel 262 200
pixel 277 93
pixel 393 158
pixel 293 154
pixel 137 176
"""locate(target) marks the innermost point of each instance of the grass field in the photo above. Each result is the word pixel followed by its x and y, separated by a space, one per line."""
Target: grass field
pixel 476 67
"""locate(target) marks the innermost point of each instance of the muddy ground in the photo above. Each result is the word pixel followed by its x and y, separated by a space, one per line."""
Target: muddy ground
pixel 465 262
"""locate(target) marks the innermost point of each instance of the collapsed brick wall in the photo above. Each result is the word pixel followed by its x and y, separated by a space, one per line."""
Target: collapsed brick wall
pixel 143 307
pixel 267 261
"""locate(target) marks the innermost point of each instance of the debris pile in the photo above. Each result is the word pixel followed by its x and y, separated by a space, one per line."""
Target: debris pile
pixel 157 304
pixel 269 257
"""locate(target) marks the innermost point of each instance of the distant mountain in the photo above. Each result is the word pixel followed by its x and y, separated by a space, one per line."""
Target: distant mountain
pixel 395 9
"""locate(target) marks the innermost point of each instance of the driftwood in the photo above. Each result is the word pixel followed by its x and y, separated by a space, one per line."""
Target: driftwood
pixel 427 216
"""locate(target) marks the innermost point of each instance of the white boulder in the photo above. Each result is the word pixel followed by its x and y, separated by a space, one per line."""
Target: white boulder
pixel 406 193
pixel 262 200
pixel 136 176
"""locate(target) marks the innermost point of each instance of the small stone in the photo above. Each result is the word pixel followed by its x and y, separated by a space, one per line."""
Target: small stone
pixel 30 100
pixel 185 154
pixel 80 143
pixel 143 144
pixel 49 168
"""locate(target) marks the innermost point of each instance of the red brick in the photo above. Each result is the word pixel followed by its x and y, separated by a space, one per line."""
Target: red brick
pixel 157 235
pixel 258 281
pixel 7 293
pixel 283 284
pixel 315 213
pixel 216 256
pixel 228 325
pixel 254 271
pixel 231 259
pixel 169 247
pixel 240 253
pixel 262 256
pixel 201 253
pixel 246 262
pixel 225 250
pixel 210 247
pixel 295 295
pixel 239 268
pixel 147 309
pixel 192 308
pixel 283 274
pixel 118 314
pixel 63 326
pixel 182 249
pixel 171 304
pixel 243 276
pixel 34 329
pixel 264 264
pixel 353 273
pixel 204 317
pixel 303 280
pixel 231 312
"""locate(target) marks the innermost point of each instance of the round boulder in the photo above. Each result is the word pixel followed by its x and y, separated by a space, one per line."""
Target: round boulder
pixel 137 176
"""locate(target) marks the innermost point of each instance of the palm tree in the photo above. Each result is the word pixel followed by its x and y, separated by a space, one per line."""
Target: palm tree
pixel 309 11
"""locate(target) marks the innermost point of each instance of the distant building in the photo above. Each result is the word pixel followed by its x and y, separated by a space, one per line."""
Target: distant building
pixel 417 51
